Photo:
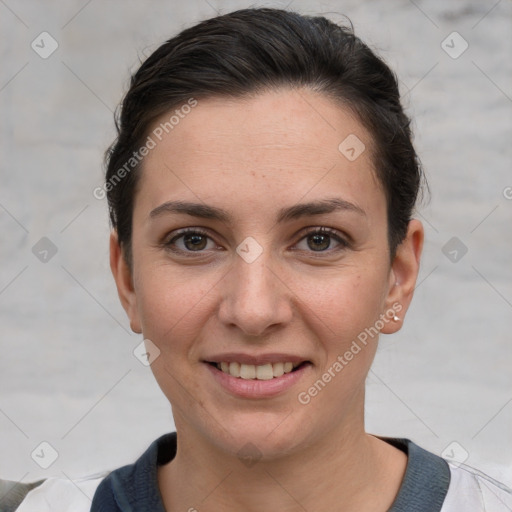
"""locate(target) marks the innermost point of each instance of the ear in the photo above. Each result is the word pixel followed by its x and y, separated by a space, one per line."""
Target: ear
pixel 124 282
pixel 402 276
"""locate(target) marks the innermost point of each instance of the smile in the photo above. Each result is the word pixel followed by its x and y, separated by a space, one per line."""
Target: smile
pixel 259 372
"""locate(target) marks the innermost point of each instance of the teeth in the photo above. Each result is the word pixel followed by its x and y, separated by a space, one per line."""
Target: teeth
pixel 234 369
pixel 278 369
pixel 262 372
pixel 247 371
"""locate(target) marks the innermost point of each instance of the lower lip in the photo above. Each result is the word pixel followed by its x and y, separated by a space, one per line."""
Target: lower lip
pixel 254 388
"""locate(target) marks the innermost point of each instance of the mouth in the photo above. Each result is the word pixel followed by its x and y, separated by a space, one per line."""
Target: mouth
pixel 266 371
pixel 259 376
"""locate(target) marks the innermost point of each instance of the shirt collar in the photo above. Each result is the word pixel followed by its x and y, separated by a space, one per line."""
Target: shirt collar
pixel 423 489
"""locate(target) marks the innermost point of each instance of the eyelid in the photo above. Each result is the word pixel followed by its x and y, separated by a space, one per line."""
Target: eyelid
pixel 169 240
pixel 343 240
pixel 326 231
pixel 186 231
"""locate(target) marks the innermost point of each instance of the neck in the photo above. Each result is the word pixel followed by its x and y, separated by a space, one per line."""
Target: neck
pixel 348 467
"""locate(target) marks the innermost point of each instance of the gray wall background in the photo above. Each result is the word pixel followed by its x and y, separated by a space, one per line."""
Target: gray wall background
pixel 68 376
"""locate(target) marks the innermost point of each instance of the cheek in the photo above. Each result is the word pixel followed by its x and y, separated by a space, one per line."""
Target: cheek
pixel 173 312
pixel 342 319
pixel 345 305
pixel 173 307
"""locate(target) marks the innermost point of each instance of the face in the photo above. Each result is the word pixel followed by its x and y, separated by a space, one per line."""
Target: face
pixel 260 248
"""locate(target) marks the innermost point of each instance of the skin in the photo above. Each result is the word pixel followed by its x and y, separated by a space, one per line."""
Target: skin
pixel 251 157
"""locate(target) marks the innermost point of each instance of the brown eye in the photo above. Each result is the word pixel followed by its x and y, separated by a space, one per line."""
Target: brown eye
pixel 319 241
pixel 322 240
pixel 191 240
pixel 195 242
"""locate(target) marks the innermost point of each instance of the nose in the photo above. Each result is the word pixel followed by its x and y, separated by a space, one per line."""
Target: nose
pixel 254 297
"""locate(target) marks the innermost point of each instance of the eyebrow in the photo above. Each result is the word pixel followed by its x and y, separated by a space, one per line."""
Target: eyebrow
pixel 285 214
pixel 318 208
pixel 193 209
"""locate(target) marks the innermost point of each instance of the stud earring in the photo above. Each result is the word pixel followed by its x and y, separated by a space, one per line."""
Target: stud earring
pixel 396 318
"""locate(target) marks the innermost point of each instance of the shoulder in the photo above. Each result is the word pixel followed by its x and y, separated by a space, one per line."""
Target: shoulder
pixel 473 491
pixel 52 494
pixel 434 484
pixel 107 491
pixel 136 484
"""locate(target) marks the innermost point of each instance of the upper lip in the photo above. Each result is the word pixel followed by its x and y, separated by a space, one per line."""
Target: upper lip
pixel 257 360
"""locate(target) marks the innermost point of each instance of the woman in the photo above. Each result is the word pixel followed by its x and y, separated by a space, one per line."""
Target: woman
pixel 261 193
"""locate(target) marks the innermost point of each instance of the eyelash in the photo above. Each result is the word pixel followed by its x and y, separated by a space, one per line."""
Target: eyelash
pixel 332 233
pixel 343 243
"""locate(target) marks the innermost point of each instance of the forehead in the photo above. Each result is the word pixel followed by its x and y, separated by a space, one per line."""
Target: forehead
pixel 276 147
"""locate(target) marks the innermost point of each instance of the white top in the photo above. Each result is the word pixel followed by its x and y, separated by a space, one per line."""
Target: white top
pixel 469 490
pixel 472 491
pixel 61 495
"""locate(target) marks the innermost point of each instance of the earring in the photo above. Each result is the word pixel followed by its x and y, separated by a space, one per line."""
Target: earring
pixel 396 318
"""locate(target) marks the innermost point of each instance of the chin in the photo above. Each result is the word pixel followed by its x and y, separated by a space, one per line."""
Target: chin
pixel 260 436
